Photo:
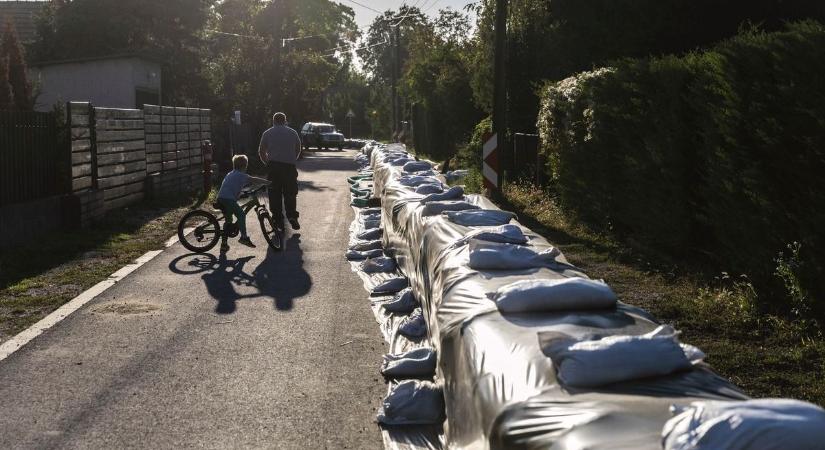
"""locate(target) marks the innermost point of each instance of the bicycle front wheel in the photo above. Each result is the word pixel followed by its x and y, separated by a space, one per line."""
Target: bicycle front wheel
pixel 271 233
pixel 199 231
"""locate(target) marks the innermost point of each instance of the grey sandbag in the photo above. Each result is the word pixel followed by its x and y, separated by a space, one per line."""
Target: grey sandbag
pixel 546 295
pixel 412 402
pixel 429 188
pixel 370 211
pixel 598 361
pixel 413 326
pixel 454 193
pixel 765 424
pixel 355 255
pixel 480 217
pixel 404 302
pixel 363 246
pixel 400 161
pixel 438 207
pixel 370 235
pixel 373 216
pixel 504 234
pixel 495 256
pixel 418 363
pixel 381 264
pixel 417 166
pixel 371 224
pixel 417 180
pixel 390 286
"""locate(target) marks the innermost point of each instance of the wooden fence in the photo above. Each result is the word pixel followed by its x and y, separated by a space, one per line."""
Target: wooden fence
pixel 126 152
pixel 32 157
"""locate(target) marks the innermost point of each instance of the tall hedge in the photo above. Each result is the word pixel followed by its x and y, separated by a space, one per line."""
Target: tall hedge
pixel 551 40
pixel 716 156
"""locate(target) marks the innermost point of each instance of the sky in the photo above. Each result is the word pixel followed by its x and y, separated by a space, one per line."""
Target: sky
pixel 364 16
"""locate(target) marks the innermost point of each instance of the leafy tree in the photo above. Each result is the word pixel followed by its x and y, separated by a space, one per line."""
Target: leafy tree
pixel 17 73
pixel 282 55
pixel 437 79
pixel 171 31
pixel 6 95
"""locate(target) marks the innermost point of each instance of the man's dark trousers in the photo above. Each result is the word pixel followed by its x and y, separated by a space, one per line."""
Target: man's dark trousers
pixel 284 178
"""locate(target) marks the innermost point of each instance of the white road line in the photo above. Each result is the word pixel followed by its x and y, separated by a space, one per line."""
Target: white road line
pixel 24 337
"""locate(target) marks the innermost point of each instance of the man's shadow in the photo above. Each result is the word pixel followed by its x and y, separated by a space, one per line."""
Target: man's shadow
pixel 280 276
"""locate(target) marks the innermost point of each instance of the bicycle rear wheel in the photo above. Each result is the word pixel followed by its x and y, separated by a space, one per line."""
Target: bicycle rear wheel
pixel 199 231
pixel 271 233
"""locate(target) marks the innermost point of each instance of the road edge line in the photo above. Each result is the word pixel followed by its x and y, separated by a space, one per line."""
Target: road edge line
pixel 24 337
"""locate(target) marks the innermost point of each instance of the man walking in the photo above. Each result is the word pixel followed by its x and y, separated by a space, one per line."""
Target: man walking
pixel 280 148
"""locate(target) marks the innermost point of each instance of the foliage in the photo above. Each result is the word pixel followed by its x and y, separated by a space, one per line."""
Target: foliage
pixel 286 57
pixel 12 51
pixel 469 156
pixel 170 31
pixel 436 80
pixel 552 40
pixel 6 95
pixel 714 157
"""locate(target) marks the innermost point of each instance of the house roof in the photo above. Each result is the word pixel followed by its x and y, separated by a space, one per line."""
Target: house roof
pixel 141 56
pixel 22 14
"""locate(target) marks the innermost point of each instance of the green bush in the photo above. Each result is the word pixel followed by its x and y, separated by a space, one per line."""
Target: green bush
pixel 469 156
pixel 717 157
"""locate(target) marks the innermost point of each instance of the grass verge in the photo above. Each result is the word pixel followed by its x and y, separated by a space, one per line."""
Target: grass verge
pixel 766 355
pixel 38 277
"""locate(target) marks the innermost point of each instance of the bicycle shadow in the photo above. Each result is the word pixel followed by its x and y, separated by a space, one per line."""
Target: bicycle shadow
pixel 280 276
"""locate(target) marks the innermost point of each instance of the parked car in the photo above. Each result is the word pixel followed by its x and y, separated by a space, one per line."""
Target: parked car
pixel 321 135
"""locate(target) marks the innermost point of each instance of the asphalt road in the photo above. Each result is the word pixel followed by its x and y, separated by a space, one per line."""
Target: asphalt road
pixel 259 349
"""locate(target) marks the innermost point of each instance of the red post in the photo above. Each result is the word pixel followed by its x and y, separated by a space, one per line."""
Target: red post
pixel 206 152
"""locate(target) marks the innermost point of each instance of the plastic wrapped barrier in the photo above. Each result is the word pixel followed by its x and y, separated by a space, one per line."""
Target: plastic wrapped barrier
pixel 769 424
pixel 500 388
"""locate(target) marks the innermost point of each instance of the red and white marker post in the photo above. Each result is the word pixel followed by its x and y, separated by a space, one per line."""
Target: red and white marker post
pixel 490 164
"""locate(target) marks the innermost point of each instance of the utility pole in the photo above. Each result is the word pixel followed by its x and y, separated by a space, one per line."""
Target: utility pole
pixel 395 75
pixel 500 86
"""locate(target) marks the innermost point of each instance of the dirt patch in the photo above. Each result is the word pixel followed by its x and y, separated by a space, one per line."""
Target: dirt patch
pixel 127 308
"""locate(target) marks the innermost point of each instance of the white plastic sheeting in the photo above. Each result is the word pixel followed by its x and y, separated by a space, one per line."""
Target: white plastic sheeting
pixel 500 389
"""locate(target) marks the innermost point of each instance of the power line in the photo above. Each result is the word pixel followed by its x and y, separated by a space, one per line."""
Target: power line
pixel 365 6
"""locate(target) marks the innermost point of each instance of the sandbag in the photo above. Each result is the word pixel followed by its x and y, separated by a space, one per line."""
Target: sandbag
pixel 371 224
pixel 413 326
pixel 454 193
pixel 363 246
pixel 504 234
pixel 404 302
pixel 417 166
pixel 766 424
pixel 480 217
pixel 412 402
pixel 437 207
pixel 418 363
pixel 426 189
pixel 370 235
pixel 381 264
pixel 390 286
pixel 495 256
pixel 355 255
pixel 547 295
pixel 599 361
pixel 417 180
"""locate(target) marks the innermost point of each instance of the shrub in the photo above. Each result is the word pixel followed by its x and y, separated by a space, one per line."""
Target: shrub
pixel 716 157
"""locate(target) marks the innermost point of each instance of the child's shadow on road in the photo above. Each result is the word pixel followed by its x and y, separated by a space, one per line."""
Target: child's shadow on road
pixel 280 276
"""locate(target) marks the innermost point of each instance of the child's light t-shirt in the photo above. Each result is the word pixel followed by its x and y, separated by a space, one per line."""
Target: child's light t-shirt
pixel 232 185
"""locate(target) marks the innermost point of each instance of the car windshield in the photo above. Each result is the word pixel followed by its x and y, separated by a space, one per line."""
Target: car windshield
pixel 325 129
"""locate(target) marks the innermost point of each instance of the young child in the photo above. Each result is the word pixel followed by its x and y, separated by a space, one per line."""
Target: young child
pixel 229 194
